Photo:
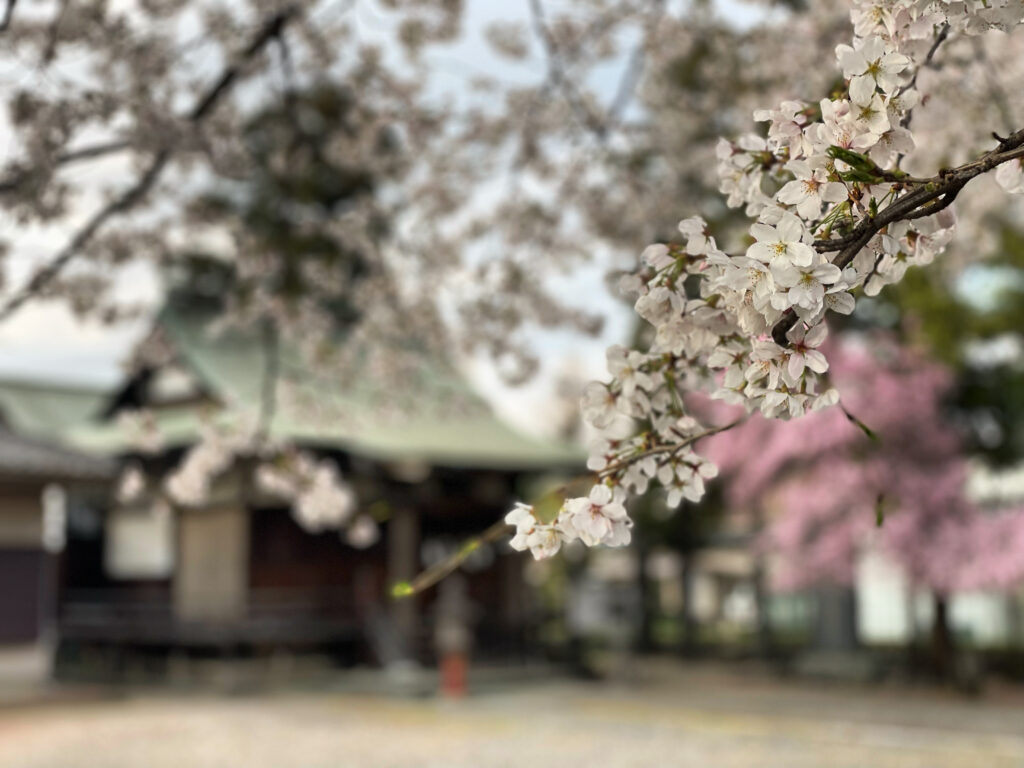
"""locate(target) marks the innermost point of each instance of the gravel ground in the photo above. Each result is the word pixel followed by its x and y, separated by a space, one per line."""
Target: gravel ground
pixel 670 718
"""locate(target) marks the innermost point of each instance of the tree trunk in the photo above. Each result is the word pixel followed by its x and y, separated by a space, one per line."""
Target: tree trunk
pixel 942 638
pixel 690 640
pixel 765 637
pixel 645 595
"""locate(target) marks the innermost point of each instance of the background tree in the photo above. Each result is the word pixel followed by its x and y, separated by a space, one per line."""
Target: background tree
pixel 831 488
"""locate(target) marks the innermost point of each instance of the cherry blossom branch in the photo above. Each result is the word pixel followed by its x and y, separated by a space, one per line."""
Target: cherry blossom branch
pixel 131 197
pixel 713 339
pixel 436 572
pixel 932 196
pixel 123 202
pixel 615 467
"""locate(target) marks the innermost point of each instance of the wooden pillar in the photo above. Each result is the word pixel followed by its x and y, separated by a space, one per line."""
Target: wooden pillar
pixel 515 614
pixel 647 597
pixel 403 564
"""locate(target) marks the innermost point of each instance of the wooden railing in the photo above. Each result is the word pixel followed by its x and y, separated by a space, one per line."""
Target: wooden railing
pixel 270 617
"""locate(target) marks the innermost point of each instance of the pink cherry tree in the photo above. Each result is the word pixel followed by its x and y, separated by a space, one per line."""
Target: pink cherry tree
pixel 828 484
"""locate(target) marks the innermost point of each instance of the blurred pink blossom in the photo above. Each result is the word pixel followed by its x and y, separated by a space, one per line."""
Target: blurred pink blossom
pixel 820 479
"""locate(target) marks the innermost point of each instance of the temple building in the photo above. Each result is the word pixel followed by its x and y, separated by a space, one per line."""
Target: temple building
pixel 237 574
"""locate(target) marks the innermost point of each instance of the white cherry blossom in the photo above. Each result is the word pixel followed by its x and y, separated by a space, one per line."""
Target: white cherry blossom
pixel 810 189
pixel 805 286
pixel 542 539
pixel 869 64
pixel 804 343
pixel 626 366
pixel 599 404
pixel 782 244
pixel 592 518
pixel 1010 176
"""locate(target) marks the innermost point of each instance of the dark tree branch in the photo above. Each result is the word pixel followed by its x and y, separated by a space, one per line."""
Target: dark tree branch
pixel 558 75
pixel 123 202
pixel 271 29
pixel 138 191
pixel 669 448
pixel 50 52
pixel 635 67
pixel 89 152
pixel 5 22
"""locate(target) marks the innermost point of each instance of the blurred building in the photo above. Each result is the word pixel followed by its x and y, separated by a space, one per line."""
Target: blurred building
pixel 727 592
pixel 238 574
pixel 41 483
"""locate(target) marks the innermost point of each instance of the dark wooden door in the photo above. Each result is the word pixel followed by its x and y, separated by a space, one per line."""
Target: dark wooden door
pixel 21 584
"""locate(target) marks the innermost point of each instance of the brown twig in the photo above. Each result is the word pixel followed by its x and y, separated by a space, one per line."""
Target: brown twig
pixel 438 571
pixel 657 450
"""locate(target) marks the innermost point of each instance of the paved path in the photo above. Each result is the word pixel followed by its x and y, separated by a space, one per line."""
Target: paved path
pixel 700 719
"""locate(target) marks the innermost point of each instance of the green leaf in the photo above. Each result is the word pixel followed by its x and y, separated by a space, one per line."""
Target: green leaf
pixel 853 159
pixel 861 176
pixel 862 426
pixel 880 511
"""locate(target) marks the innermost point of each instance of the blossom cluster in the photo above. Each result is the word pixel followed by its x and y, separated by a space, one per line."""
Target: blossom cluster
pixel 191 482
pixel 746 328
pixel 320 497
pixel 599 518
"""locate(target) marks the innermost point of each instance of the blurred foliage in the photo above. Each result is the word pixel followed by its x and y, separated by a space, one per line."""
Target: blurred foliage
pixel 303 171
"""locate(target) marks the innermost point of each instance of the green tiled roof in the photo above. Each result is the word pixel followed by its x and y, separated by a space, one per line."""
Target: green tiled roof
pixel 44 409
pixel 343 414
